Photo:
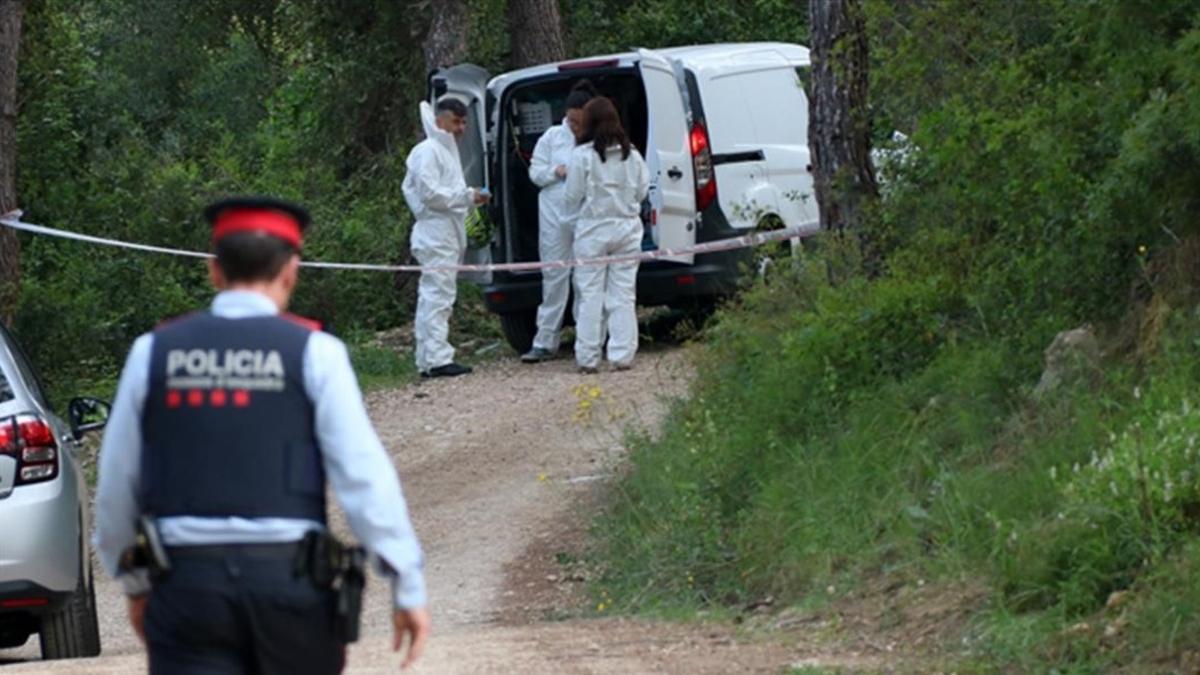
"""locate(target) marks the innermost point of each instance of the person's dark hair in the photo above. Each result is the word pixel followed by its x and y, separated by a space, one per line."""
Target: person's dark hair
pixel 602 128
pixel 451 105
pixel 580 94
pixel 252 256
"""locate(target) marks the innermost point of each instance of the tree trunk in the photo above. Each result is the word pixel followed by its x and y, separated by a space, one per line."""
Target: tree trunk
pixel 11 12
pixel 838 116
pixel 535 29
pixel 446 42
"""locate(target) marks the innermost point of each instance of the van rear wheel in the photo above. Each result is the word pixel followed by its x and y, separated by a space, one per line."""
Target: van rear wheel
pixel 519 329
pixel 768 257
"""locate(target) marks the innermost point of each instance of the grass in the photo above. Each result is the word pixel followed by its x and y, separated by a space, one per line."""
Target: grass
pixel 802 462
pixel 379 367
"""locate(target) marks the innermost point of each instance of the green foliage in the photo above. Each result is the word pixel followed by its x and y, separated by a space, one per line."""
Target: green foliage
pixel 291 99
pixel 604 26
pixel 887 426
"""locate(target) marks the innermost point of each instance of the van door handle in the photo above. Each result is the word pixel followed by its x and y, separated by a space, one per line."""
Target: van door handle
pixel 675 173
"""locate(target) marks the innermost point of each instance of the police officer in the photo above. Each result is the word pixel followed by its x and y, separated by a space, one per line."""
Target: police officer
pixel 226 427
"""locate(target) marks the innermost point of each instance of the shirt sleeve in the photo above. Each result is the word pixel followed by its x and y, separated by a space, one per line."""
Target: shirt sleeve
pixel 433 191
pixel 541 167
pixel 117 507
pixel 359 469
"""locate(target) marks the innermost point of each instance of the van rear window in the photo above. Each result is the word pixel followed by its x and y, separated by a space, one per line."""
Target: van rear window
pixel 6 392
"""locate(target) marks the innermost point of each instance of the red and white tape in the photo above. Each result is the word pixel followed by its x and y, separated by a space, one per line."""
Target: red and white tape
pixel 13 220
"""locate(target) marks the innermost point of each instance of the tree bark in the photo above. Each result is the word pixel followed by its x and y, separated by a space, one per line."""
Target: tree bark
pixel 536 33
pixel 446 42
pixel 11 13
pixel 838 116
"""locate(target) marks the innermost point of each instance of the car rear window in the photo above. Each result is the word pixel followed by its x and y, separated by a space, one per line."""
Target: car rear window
pixel 6 392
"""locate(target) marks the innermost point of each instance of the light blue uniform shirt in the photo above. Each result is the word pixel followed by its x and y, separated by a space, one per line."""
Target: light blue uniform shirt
pixel 356 466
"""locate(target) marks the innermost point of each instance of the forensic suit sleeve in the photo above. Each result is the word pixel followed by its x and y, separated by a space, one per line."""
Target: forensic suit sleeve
pixel 576 187
pixel 541 167
pixel 430 188
pixel 643 176
pixel 117 508
pixel 359 469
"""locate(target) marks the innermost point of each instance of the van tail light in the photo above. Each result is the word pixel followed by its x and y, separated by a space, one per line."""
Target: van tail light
pixel 585 65
pixel 30 440
pixel 702 167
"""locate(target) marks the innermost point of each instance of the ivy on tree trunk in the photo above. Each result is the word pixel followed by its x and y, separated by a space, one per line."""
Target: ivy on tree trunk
pixel 838 120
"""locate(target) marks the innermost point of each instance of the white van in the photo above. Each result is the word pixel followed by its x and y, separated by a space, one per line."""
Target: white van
pixel 724 129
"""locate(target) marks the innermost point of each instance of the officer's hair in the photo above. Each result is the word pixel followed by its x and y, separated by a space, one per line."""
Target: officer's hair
pixel 452 105
pixel 252 256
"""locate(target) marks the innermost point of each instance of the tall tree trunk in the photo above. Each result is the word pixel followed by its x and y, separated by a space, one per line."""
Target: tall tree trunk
pixel 838 118
pixel 11 13
pixel 446 42
pixel 535 29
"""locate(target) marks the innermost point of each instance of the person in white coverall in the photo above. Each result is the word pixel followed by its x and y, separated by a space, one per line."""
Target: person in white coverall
pixel 556 220
pixel 609 179
pixel 438 196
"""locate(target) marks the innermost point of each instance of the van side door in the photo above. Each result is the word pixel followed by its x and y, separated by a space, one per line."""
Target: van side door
pixel 669 154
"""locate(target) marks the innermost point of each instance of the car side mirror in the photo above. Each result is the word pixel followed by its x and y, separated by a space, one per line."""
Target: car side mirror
pixel 87 414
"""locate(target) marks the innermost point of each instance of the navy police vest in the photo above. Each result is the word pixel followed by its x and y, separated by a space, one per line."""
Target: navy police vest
pixel 227 426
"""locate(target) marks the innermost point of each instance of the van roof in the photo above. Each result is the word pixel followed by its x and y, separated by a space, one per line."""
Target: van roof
pixel 730 56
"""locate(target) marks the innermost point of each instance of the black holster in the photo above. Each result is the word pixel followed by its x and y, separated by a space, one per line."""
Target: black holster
pixel 333 566
pixel 147 551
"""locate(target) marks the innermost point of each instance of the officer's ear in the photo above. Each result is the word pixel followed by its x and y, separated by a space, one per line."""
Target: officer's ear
pixel 290 273
pixel 216 276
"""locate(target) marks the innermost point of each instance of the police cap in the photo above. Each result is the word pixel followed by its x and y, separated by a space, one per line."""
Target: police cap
pixel 274 217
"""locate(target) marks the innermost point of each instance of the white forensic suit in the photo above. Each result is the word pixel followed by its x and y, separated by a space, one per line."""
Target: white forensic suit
pixel 610 193
pixel 438 196
pixel 556 222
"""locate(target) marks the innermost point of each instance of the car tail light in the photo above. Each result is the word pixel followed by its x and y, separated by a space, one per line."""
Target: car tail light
pixel 18 603
pixel 702 166
pixel 30 440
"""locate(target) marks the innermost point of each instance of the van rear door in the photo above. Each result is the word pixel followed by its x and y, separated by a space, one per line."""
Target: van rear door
pixel 669 153
pixel 468 82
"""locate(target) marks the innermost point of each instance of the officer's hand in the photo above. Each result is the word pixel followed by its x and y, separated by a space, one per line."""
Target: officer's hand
pixel 137 614
pixel 482 197
pixel 561 171
pixel 416 624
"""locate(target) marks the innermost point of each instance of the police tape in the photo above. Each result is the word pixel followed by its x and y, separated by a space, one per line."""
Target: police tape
pixel 13 220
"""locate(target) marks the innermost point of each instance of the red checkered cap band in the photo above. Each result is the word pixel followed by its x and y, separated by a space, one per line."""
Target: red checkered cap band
pixel 268 221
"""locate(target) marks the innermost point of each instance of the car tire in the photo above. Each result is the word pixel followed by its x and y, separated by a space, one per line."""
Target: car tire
pixel 74 630
pixel 519 329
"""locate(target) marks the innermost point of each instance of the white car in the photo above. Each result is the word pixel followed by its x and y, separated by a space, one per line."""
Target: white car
pixel 46 584
pixel 724 129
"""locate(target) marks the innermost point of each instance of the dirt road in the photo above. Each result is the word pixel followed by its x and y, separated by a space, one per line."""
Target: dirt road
pixel 498 468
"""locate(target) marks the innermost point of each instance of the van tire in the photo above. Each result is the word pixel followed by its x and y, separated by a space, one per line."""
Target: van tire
pixel 73 631
pixel 519 329
pixel 768 256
